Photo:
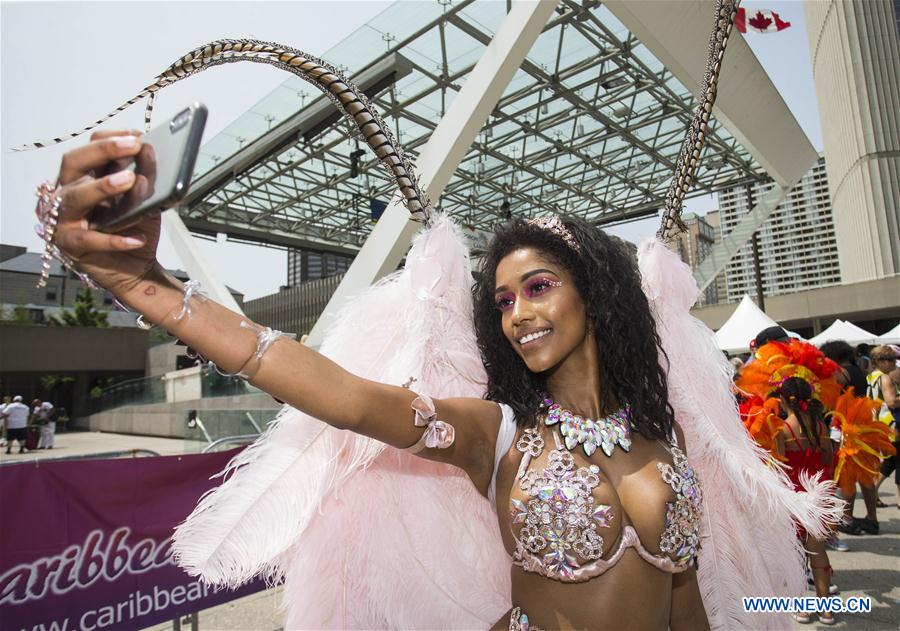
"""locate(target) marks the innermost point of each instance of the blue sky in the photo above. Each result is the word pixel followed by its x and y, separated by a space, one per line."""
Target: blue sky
pixel 785 57
pixel 67 63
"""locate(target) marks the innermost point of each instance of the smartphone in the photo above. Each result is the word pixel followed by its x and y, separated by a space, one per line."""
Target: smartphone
pixel 163 169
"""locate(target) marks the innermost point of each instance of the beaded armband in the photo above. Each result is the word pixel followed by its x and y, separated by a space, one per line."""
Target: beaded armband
pixel 48 207
pixel 265 336
pixel 438 434
pixel 192 289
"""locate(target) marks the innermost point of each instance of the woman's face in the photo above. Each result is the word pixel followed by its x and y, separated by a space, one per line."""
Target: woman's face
pixel 543 315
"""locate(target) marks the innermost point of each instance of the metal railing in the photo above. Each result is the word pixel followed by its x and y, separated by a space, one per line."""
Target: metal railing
pixel 207 430
pixel 213 384
pixel 147 390
pixel 132 392
pixel 229 440
pixel 93 456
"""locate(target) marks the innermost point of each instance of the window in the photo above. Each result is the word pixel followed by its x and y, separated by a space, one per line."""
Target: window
pixel 51 293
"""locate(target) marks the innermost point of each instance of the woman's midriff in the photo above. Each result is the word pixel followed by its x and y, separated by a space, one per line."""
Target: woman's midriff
pixel 630 595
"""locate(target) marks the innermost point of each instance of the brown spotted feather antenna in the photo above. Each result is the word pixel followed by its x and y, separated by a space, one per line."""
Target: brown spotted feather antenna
pixel 355 106
pixel 692 147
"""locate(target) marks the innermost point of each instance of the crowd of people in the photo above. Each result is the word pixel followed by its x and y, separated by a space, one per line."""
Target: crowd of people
pixel 830 411
pixel 32 427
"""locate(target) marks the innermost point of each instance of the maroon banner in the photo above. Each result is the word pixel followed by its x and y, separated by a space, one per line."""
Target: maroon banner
pixel 85 544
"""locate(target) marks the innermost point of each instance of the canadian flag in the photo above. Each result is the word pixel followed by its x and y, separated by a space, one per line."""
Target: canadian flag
pixel 759 22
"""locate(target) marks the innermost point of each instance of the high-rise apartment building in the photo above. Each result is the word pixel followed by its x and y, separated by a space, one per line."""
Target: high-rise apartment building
pixel 856 66
pixel 798 247
pixel 693 246
pixel 303 265
pixel 714 219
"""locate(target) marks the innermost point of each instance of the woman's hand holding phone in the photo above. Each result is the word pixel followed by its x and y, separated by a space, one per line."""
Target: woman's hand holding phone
pixel 92 178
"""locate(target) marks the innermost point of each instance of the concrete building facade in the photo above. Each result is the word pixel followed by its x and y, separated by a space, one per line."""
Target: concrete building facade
pixel 62 364
pixel 294 309
pixel 18 283
pixel 693 246
pixel 714 219
pixel 856 67
pixel 798 246
pixel 304 265
pixel 19 274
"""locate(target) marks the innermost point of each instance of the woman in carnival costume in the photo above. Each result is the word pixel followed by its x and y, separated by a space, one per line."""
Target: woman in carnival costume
pixel 539 454
pixel 791 394
pixel 884 384
pixel 849 375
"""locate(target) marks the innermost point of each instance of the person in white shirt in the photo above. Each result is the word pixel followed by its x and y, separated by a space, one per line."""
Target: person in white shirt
pixel 6 401
pixel 16 417
pixel 43 416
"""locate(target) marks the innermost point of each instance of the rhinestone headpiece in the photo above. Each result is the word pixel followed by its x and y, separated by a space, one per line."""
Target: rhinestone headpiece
pixel 554 224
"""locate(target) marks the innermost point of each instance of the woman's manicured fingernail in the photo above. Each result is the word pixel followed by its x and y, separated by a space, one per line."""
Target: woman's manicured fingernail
pixel 121 178
pixel 126 142
pixel 132 241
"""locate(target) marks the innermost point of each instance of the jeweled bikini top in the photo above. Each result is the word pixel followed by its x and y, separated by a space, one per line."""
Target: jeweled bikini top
pixel 557 524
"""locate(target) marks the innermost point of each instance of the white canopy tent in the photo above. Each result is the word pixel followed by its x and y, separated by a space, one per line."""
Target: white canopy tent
pixel 891 337
pixel 743 326
pixel 846 331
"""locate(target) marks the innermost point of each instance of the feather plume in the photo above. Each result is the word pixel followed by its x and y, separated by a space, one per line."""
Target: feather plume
pixel 763 422
pixel 743 487
pixel 864 441
pixel 410 543
pixel 777 361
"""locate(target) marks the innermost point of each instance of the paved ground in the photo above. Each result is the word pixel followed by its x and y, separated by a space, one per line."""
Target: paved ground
pixel 871 567
pixel 84 443
pixel 258 612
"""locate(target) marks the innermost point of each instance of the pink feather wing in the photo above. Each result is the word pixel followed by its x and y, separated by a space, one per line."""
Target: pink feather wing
pixel 748 545
pixel 409 544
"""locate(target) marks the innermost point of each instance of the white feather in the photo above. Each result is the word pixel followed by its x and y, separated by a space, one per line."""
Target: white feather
pixel 409 544
pixel 749 545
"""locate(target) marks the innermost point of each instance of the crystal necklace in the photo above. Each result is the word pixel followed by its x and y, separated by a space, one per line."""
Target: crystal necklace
pixel 605 432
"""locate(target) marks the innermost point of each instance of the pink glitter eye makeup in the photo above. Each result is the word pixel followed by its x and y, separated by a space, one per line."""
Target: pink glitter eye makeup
pixel 534 287
pixel 505 301
pixel 538 286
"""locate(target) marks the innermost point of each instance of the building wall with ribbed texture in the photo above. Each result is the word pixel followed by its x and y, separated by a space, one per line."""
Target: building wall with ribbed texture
pixel 856 66
pixel 294 309
pixel 798 247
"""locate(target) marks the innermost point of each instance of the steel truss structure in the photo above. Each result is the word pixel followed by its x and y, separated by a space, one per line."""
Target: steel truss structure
pixel 590 125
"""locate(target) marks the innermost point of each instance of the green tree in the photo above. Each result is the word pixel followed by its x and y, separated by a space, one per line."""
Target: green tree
pixel 49 383
pixel 18 314
pixel 83 313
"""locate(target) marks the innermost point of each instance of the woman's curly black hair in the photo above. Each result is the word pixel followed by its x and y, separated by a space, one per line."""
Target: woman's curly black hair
pixel 797 394
pixel 838 351
pixel 606 276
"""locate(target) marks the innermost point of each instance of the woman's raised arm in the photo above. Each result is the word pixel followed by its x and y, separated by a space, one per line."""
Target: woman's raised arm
pixel 126 265
pixel 316 385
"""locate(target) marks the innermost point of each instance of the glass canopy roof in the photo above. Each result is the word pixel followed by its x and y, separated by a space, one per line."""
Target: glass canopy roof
pixel 591 124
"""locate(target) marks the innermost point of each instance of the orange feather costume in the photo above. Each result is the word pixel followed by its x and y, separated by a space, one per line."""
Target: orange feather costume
pixel 773 364
pixel 777 361
pixel 763 422
pixel 864 441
